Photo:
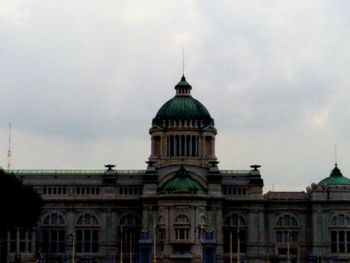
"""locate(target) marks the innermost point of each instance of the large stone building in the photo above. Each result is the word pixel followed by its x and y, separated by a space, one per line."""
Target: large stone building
pixel 182 208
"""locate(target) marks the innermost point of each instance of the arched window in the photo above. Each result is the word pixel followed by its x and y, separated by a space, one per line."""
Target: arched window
pixel 87 233
pixel 235 234
pixel 129 235
pixel 54 233
pixel 182 227
pixel 181 219
pixel 340 234
pixel 287 236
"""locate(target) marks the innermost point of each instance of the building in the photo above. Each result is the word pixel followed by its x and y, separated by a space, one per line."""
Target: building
pixel 182 208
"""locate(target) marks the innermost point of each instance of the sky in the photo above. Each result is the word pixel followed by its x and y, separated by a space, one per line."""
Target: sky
pixel 80 81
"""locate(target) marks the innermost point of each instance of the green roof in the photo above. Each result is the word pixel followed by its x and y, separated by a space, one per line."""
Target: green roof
pixel 182 182
pixel 70 171
pixel 183 107
pixel 335 178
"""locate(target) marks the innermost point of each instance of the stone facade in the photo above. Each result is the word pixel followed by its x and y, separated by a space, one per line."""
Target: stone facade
pixel 182 207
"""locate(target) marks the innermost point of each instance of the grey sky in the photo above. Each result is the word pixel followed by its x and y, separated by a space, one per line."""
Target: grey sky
pixel 81 81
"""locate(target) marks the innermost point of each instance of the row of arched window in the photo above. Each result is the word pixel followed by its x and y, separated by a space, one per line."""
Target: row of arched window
pixel 86 234
pixel 54 234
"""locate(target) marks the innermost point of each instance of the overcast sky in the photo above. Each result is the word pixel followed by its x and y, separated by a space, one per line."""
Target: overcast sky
pixel 80 81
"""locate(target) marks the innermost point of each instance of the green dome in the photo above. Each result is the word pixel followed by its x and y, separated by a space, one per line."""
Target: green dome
pixel 182 182
pixel 183 107
pixel 335 178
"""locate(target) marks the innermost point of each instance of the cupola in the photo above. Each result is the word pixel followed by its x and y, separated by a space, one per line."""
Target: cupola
pixel 183 130
pixel 336 178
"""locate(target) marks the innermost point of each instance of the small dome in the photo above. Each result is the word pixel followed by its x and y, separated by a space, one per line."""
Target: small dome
pixel 182 182
pixel 335 178
pixel 183 107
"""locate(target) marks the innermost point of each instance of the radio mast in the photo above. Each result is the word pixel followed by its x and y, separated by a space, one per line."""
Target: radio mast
pixel 9 149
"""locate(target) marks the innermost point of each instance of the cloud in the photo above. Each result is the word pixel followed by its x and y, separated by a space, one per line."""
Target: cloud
pixel 87 76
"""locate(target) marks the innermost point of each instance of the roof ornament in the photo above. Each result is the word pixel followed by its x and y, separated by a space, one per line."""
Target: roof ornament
pixel 109 167
pixel 255 167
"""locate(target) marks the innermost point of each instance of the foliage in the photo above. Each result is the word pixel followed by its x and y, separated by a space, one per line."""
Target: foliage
pixel 20 205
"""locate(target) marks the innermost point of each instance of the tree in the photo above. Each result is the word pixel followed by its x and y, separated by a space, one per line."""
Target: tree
pixel 20 206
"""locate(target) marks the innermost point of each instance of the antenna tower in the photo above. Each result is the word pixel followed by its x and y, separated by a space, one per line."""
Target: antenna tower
pixel 335 154
pixel 183 61
pixel 9 149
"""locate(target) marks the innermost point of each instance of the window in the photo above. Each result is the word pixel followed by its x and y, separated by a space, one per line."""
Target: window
pixel 287 236
pixel 181 233
pixel 129 236
pixel 182 228
pixel 235 234
pixel 286 221
pixel 87 233
pixel 232 190
pixel 340 234
pixel 20 240
pixel 284 236
pixel 54 233
pixel 54 190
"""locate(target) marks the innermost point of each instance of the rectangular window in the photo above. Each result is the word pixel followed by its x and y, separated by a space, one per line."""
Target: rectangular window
pixel 79 240
pixel 54 237
pixel 22 241
pixel 182 234
pixel 29 241
pixel 13 239
pixel 61 240
pixel 341 241
pixel 95 241
pixel 334 242
pixel 87 240
pixel 46 240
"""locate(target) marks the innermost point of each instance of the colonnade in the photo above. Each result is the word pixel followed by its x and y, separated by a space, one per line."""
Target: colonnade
pixel 182 145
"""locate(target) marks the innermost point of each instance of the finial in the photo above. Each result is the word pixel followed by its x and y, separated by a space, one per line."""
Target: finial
pixel 255 167
pixel 109 167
